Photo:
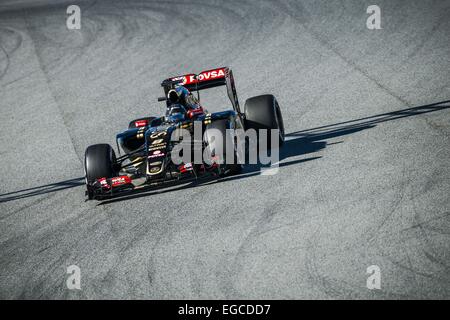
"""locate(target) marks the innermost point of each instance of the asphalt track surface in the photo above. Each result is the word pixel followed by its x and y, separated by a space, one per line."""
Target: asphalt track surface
pixel 364 177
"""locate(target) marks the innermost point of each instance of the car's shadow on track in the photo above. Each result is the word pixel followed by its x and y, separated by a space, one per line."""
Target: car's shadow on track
pixel 44 189
pixel 297 143
pixel 314 139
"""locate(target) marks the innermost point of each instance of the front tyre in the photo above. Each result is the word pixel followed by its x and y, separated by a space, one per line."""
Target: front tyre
pixel 99 162
pixel 219 140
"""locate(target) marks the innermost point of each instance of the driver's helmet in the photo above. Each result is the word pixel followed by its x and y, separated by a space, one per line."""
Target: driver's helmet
pixel 178 95
pixel 176 112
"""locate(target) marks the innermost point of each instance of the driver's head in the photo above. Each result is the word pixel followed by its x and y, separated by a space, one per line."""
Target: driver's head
pixel 178 95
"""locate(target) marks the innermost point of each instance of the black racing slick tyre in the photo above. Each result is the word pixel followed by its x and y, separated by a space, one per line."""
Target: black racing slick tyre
pixel 263 112
pixel 99 162
pixel 218 146
pixel 132 124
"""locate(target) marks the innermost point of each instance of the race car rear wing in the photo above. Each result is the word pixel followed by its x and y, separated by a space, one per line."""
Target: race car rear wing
pixel 205 80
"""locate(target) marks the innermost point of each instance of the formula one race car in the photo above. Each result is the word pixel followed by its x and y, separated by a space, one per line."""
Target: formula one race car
pixel 149 143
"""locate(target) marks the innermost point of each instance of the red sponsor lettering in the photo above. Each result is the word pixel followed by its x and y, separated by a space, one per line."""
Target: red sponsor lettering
pixel 119 181
pixel 194 112
pixel 141 123
pixel 204 76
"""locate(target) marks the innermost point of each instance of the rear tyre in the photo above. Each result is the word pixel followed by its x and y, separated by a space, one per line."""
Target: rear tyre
pixel 99 162
pixel 263 112
pixel 132 124
pixel 219 147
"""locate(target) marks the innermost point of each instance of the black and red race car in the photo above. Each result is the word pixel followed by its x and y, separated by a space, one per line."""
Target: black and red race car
pixel 146 148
